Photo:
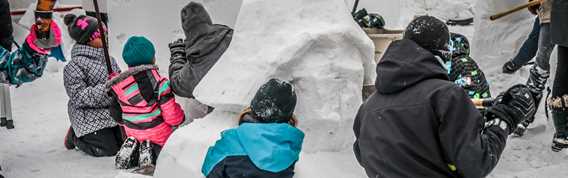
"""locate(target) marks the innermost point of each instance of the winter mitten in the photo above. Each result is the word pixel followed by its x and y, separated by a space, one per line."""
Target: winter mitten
pixel 146 156
pixel 125 158
pixel 513 106
pixel 177 50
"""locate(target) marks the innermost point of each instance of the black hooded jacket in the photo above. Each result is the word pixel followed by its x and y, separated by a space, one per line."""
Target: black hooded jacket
pixel 559 22
pixel 205 43
pixel 418 124
pixel 5 25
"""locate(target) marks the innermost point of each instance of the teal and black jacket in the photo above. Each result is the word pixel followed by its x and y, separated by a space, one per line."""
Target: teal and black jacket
pixel 255 150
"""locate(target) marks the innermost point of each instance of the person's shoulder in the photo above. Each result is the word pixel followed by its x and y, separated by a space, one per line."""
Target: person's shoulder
pixel 446 88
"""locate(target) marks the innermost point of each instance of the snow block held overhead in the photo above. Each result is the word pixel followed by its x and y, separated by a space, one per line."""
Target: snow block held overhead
pixel 317 46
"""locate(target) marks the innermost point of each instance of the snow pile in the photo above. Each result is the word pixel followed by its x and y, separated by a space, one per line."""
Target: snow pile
pixel 322 52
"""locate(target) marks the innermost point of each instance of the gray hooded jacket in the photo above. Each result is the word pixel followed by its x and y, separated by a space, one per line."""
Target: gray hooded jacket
pixel 204 44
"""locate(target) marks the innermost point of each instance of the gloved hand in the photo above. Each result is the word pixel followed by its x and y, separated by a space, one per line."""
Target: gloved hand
pixel 177 50
pixel 513 106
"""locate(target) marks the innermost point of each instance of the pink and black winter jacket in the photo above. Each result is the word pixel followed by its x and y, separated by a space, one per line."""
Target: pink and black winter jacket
pixel 144 104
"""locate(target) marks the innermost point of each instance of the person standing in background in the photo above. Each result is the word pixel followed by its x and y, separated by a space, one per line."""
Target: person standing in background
pixel 559 101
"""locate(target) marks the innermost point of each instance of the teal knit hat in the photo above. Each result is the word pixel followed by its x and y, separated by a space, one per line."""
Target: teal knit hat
pixel 138 50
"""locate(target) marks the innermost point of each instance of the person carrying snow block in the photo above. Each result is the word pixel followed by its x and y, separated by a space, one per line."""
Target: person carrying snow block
pixel 144 104
pixel 193 57
pixel 265 144
pixel 419 124
pixel 464 71
pixel 559 101
pixel 92 130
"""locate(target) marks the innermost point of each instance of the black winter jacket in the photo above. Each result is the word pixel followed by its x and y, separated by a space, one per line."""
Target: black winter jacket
pixel 418 124
pixel 559 22
pixel 5 25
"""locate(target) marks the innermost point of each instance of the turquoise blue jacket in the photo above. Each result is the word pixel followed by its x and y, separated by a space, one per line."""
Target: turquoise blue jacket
pixel 272 147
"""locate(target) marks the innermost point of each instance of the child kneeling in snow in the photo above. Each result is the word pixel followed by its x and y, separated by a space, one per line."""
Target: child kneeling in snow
pixel 144 104
pixel 265 144
pixel 464 71
pixel 93 130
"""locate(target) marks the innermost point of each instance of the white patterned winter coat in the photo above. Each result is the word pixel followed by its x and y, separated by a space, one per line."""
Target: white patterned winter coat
pixel 84 78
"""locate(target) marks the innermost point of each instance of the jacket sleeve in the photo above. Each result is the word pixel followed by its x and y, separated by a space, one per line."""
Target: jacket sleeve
pixel 82 94
pixel 182 80
pixel 115 109
pixel 356 128
pixel 471 150
pixel 171 111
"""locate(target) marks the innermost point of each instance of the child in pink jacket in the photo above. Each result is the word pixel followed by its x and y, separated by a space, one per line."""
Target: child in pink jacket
pixel 144 105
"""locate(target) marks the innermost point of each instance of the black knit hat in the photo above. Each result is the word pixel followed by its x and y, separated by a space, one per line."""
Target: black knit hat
pixel 428 32
pixel 81 28
pixel 274 102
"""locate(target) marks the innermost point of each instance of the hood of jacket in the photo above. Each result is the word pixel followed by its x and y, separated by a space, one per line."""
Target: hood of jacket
pixel 202 36
pixel 271 147
pixel 404 64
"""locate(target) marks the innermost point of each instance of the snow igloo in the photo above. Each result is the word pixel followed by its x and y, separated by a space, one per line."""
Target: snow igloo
pixel 317 46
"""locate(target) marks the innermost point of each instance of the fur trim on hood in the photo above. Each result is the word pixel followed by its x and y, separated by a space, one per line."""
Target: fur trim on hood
pixel 130 72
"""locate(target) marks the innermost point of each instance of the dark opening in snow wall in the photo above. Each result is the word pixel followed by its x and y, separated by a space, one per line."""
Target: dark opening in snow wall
pixel 160 22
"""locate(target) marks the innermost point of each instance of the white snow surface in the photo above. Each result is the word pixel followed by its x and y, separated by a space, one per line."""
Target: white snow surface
pixel 35 147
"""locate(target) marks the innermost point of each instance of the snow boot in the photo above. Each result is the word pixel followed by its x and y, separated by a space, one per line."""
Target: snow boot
pixel 146 159
pixel 510 67
pixel 560 118
pixel 536 83
pixel 125 158
pixel 3 122
pixel 70 139
pixel 559 143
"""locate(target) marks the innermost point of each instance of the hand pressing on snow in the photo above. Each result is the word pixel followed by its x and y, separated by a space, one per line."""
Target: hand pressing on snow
pixel 513 106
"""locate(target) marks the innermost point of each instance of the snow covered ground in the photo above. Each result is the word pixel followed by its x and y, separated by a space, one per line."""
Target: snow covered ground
pixel 35 147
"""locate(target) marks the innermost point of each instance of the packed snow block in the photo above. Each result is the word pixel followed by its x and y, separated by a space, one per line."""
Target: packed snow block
pixel 183 155
pixel 316 45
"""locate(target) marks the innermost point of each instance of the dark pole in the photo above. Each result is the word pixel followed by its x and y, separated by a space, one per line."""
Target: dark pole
pixel 103 37
pixel 355 6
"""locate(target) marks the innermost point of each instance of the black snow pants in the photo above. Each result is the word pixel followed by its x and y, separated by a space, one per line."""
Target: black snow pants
pixel 560 94
pixel 105 142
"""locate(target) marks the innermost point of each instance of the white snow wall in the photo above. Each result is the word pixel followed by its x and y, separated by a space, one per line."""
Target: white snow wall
pixel 315 45
pixel 160 22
